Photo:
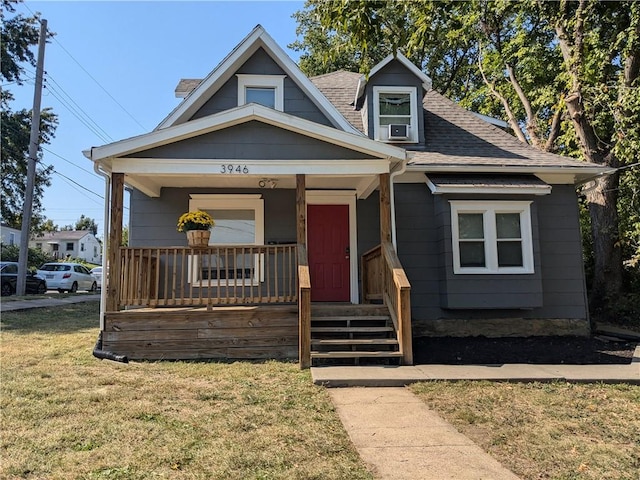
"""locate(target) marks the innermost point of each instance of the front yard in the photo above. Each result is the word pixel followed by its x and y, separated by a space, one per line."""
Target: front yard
pixel 66 415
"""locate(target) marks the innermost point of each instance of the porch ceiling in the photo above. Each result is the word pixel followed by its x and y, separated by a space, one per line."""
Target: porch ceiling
pixel 151 185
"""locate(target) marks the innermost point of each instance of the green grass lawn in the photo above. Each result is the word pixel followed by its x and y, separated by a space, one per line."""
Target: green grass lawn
pixel 557 431
pixel 67 415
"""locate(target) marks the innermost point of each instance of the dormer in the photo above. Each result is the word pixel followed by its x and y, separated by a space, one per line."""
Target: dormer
pixel 390 101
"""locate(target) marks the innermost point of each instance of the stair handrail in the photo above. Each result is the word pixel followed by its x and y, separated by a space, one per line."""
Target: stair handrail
pixel 304 308
pixel 397 296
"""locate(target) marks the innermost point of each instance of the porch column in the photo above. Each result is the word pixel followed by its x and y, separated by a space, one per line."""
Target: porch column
pixel 115 239
pixel 301 209
pixel 385 208
pixel 304 282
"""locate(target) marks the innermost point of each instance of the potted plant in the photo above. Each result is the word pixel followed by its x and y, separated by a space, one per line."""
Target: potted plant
pixel 198 227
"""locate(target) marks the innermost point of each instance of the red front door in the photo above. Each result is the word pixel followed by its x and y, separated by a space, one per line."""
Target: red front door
pixel 328 246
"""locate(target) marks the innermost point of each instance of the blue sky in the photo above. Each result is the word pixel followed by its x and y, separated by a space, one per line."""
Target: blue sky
pixel 134 52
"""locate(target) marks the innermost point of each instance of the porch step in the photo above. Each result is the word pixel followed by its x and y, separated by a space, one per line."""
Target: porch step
pixel 351 329
pixel 351 318
pixel 351 354
pixel 355 341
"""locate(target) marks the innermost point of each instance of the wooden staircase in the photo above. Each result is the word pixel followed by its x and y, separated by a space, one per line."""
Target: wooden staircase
pixel 353 334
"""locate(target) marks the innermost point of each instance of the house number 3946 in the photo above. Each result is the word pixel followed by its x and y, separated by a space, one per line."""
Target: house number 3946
pixel 231 168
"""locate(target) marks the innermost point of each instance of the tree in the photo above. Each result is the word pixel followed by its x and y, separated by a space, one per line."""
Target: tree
pixel 86 223
pixel 563 74
pixel 19 34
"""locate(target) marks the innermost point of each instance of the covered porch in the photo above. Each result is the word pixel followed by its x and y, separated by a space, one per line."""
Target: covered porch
pixel 306 192
pixel 240 301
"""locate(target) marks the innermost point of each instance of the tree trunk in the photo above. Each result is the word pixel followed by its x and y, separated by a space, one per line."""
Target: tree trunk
pixel 607 275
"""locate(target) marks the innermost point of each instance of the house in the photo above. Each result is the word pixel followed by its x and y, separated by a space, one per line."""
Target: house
pixel 10 235
pixel 69 244
pixel 352 214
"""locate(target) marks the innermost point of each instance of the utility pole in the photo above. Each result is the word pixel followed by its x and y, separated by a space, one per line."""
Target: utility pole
pixel 34 142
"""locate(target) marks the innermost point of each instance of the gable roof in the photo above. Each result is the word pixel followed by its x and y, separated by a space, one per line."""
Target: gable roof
pixel 65 235
pixel 362 82
pixel 242 114
pixel 224 71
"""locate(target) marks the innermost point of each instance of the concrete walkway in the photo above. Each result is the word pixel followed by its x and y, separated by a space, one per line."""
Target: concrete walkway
pixel 400 438
pixel 390 376
pixel 13 305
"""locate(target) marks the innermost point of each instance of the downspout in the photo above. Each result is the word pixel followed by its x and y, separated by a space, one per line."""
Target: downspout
pixel 107 191
pixel 394 174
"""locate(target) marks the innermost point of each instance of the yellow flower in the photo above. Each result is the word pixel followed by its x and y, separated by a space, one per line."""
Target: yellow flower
pixel 197 220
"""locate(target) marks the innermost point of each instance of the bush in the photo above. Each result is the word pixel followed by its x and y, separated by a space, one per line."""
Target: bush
pixel 35 258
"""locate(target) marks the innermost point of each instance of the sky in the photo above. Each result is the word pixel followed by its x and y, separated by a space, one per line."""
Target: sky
pixel 111 71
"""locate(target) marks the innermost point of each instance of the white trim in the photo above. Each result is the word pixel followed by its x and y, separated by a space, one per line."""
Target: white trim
pixel 342 197
pixel 529 190
pixel 240 115
pixel 261 81
pixel 426 81
pixel 240 54
pixel 191 166
pixel 379 133
pixel 489 211
pixel 253 202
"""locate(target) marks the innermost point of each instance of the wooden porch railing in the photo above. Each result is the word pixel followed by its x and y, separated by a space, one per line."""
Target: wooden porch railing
pixel 304 308
pixel 384 278
pixel 215 275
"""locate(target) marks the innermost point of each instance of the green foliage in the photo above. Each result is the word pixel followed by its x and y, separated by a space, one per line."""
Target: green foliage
pixel 19 34
pixel 86 223
pixel 36 257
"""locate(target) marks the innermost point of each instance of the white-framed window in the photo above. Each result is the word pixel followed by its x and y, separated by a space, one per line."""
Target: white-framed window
pixel 267 90
pixel 239 220
pixel 12 238
pixel 395 114
pixel 491 237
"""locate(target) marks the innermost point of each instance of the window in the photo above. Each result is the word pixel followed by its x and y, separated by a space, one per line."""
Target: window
pixel 82 247
pixel 239 221
pixel 491 237
pixel 12 238
pixel 267 90
pixel 69 246
pixel 395 106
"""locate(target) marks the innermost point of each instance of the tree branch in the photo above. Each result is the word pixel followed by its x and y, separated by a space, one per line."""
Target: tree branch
pixel 532 123
pixel 554 132
pixel 513 121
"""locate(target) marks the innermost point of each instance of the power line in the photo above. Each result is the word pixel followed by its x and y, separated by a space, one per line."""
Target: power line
pixel 69 161
pixel 86 118
pixel 91 76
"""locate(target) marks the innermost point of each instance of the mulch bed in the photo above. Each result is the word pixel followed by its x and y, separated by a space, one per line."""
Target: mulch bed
pixel 533 350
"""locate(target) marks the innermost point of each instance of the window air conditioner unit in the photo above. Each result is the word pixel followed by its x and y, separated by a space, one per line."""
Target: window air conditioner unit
pixel 398 132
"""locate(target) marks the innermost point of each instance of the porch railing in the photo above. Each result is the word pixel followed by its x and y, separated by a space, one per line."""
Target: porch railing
pixel 215 275
pixel 383 278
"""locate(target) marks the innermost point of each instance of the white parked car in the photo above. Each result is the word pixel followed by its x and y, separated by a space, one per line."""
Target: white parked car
pixel 68 277
pixel 97 273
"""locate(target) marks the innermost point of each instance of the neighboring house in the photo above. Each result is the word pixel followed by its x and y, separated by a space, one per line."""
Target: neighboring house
pixel 352 213
pixel 10 236
pixel 69 244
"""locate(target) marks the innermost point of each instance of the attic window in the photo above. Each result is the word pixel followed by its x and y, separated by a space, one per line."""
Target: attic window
pixel 395 112
pixel 267 90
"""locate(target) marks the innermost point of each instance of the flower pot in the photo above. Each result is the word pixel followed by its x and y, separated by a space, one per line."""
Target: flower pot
pixel 198 238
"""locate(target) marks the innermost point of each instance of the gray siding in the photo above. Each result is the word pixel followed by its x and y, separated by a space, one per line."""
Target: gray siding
pixel 153 220
pixel 295 101
pixel 556 290
pixel 397 75
pixel 252 140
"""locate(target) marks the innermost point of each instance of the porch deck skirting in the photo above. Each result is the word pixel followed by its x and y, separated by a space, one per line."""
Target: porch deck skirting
pixel 234 332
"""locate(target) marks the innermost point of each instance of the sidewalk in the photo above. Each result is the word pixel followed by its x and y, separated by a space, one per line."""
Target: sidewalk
pixel 10 306
pixel 399 437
